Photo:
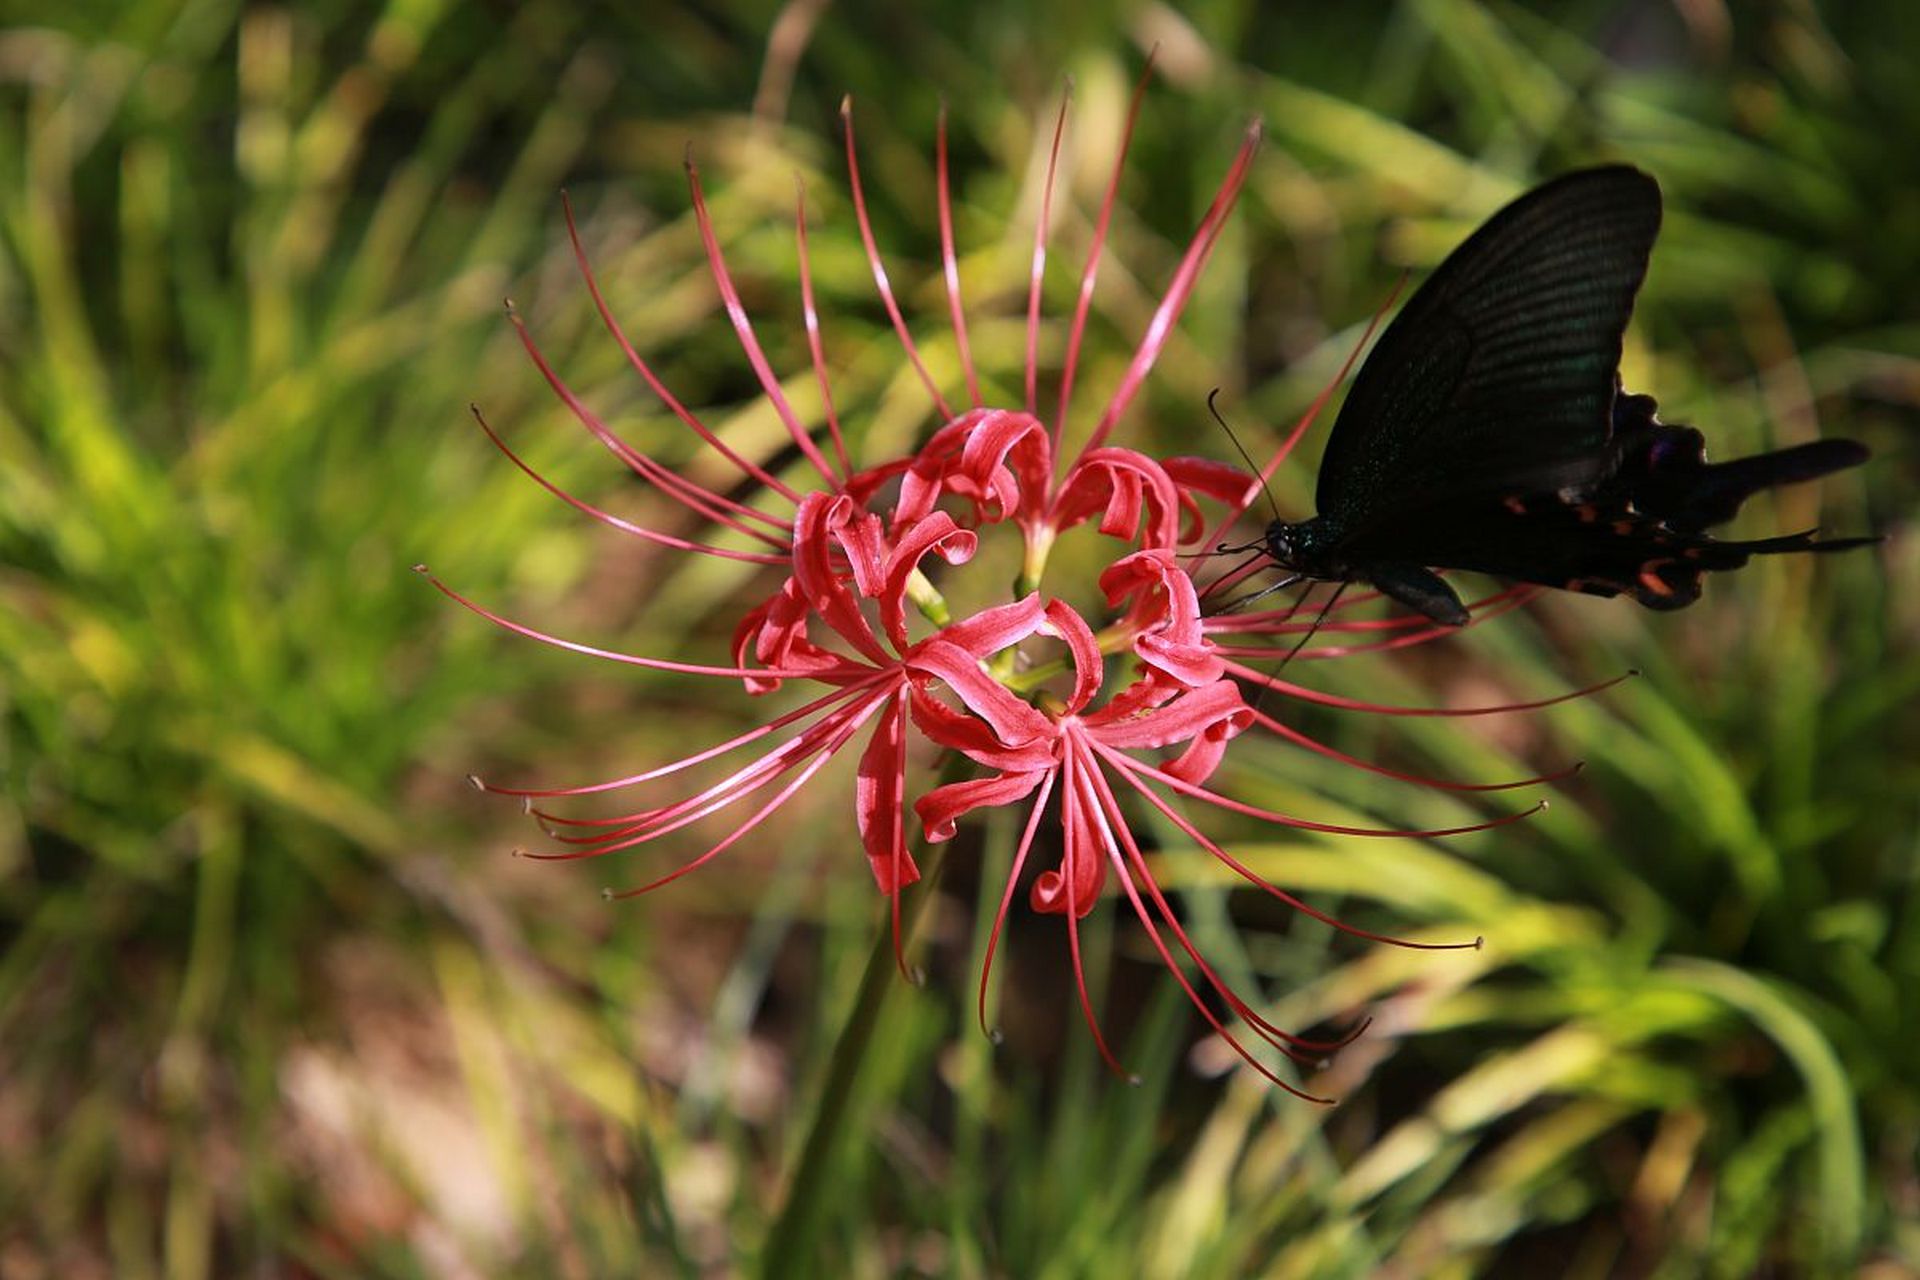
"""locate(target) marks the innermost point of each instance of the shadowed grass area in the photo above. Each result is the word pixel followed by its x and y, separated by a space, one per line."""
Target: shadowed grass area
pixel 272 995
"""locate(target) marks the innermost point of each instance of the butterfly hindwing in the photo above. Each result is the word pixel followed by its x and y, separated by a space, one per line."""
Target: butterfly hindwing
pixel 1662 469
pixel 1500 372
pixel 1602 546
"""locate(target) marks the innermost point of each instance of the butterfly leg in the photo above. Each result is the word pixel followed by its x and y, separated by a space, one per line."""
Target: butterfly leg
pixel 1420 589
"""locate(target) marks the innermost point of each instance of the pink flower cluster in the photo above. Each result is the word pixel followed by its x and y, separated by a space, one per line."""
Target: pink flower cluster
pixel 1085 710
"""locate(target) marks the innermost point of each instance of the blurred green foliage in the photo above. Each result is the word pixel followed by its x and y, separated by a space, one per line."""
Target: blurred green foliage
pixel 270 1000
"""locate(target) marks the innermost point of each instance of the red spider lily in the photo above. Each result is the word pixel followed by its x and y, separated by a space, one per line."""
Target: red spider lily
pixel 858 557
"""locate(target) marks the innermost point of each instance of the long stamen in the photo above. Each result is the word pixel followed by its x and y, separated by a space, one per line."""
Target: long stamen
pixel 615 522
pixel 1095 250
pixel 687 762
pixel 1296 1047
pixel 1108 824
pixel 1282 622
pixel 659 388
pixel 950 263
pixel 767 810
pixel 823 739
pixel 1111 823
pixel 1305 694
pixel 1178 290
pixel 879 268
pixel 1276 891
pixel 1260 620
pixel 1240 573
pixel 848 670
pixel 650 824
pixel 1503 603
pixel 1307 419
pixel 1136 768
pixel 1300 427
pixel 812 318
pixel 1006 897
pixel 1333 753
pixel 716 507
pixel 743 328
pixel 1038 266
pixel 1075 833
pixel 1233 577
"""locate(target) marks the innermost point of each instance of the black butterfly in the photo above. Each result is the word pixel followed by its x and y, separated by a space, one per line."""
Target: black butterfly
pixel 1488 430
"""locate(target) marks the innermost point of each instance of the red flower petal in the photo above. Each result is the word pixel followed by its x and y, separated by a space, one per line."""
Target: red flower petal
pixel 879 793
pixel 1074 888
pixel 815 528
pixel 1122 485
pixel 1088 667
pixel 1013 721
pixel 937 533
pixel 941 808
pixel 1177 645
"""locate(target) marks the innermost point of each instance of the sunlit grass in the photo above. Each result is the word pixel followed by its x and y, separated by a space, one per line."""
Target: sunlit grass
pixel 271 992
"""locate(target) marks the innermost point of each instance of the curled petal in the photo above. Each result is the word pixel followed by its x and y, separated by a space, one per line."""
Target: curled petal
pixel 816 526
pixel 1121 485
pixel 1173 640
pixel 1140 697
pixel 879 790
pixel 995 458
pixel 1014 723
pixel 1202 756
pixel 776 635
pixel 1218 480
pixel 943 807
pixel 924 477
pixel 860 536
pixel 1012 450
pixel 1212 711
pixel 862 485
pixel 1015 736
pixel 1088 667
pixel 746 638
pixel 1074 888
pixel 1189 663
pixel 1175 721
pixel 991 630
pixel 937 534
pixel 974 738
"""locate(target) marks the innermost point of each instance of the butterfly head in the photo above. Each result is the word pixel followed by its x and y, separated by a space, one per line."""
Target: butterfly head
pixel 1305 548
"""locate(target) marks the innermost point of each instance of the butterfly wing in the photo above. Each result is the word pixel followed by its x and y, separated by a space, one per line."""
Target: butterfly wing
pixel 1663 469
pixel 1500 372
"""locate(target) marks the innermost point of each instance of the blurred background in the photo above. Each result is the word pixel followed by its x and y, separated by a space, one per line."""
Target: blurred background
pixel 274 999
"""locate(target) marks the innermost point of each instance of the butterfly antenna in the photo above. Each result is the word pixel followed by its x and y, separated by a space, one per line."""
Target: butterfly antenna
pixel 1264 488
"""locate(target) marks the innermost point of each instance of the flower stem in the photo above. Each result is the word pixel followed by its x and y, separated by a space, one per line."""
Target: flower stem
pixel 927 599
pixel 1111 640
pixel 790 1244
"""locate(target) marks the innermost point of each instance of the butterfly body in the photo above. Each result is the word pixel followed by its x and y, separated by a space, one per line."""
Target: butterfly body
pixel 1488 431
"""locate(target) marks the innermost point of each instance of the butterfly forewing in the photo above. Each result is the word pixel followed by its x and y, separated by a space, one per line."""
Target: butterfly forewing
pixel 1501 370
